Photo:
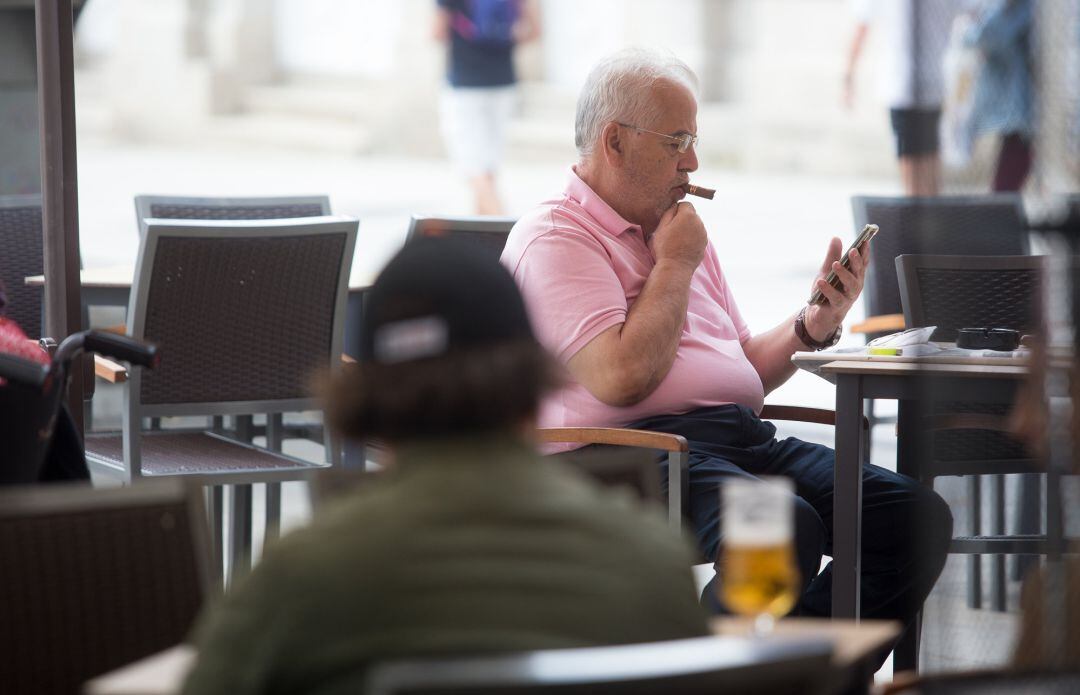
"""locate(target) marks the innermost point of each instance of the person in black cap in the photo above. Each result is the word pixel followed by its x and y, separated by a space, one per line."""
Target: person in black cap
pixel 470 542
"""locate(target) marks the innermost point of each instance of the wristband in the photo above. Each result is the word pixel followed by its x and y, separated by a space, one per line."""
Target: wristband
pixel 804 336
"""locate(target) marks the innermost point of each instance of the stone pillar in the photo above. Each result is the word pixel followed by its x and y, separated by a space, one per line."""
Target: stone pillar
pixel 156 86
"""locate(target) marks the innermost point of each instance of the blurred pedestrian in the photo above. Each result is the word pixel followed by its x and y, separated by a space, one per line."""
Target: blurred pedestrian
pixel 480 96
pixel 1004 89
pixel 914 34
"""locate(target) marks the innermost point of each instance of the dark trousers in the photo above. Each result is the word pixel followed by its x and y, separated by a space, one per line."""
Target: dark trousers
pixel 906 527
pixel 1013 164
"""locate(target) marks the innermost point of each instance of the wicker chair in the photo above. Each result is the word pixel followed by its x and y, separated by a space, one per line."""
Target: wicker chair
pixel 245 208
pixel 257 208
pixel 246 313
pixel 95 579
pixel 20 230
pixel 488 233
pixel 987 225
pixel 678 667
pixel 970 439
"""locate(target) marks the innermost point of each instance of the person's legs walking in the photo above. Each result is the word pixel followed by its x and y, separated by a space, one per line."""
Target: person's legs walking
pixel 1013 163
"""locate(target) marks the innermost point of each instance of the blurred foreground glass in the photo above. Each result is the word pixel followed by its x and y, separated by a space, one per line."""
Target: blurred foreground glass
pixel 758 575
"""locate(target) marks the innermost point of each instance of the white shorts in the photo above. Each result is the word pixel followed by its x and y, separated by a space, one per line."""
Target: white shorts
pixel 474 121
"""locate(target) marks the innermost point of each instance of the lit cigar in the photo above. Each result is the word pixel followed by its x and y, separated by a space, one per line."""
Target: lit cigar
pixel 700 191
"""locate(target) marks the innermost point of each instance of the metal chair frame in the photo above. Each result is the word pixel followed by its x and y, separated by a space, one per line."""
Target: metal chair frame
pixel 134 410
pixel 686 666
pixel 478 225
pixel 72 636
pixel 145 204
pixel 997 544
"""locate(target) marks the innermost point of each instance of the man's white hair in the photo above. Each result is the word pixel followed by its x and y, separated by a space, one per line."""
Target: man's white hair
pixel 616 90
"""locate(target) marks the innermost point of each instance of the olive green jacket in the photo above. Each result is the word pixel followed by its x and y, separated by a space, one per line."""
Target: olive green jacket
pixel 473 545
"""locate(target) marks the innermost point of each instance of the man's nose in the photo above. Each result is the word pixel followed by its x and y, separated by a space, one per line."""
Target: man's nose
pixel 689 161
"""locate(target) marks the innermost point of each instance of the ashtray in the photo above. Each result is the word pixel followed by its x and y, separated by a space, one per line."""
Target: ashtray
pixel 988 339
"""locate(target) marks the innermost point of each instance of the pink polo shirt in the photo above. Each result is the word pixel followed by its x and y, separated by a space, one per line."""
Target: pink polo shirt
pixel 580 266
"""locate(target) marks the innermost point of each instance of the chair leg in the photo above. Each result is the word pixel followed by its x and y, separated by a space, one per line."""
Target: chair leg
pixel 274 431
pixel 215 508
pixel 273 512
pixel 678 488
pixel 244 428
pixel 906 652
pixel 274 437
pixel 997 528
pixel 1028 520
pixel 974 583
pixel 354 454
pixel 240 533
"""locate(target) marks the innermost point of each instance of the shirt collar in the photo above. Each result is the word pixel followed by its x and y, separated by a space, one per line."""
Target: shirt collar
pixel 612 222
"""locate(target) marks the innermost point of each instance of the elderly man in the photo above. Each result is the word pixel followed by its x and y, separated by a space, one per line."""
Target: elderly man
pixel 625 288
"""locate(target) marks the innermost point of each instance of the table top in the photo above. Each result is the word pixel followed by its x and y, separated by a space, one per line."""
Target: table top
pixel 974 369
pixel 159 674
pixel 164 672
pixel 829 363
pixel 120 277
pixel 852 641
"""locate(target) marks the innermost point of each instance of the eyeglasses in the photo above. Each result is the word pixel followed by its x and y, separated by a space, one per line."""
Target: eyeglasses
pixel 686 140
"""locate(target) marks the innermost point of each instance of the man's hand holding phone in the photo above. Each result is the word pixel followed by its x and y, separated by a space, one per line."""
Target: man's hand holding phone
pixel 838 284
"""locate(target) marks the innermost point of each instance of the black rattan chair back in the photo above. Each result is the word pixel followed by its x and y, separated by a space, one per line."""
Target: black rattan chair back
pixel 20 257
pixel 1049 683
pixel 217 295
pixel 954 292
pixel 92 580
pixel 213 208
pixel 487 233
pixel 988 225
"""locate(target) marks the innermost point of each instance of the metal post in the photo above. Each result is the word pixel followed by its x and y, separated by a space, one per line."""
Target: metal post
pixel 59 192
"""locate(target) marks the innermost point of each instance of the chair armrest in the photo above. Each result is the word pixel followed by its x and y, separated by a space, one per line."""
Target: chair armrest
pixel 883 323
pixel 797 413
pixel 112 372
pixel 613 435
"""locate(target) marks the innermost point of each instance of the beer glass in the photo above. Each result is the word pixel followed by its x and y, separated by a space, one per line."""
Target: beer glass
pixel 758 574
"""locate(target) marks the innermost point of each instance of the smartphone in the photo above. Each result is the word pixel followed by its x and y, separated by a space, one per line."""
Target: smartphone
pixel 865 235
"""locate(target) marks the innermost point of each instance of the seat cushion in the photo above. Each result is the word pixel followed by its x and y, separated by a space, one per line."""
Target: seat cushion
pixel 196 453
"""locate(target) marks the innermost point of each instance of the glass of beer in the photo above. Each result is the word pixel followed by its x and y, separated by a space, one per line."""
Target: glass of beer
pixel 758 574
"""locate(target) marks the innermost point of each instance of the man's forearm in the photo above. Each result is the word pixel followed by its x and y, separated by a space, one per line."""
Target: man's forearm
pixel 654 324
pixel 771 352
pixel 625 364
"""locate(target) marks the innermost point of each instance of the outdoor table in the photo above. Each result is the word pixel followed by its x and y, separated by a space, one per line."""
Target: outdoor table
pixel 913 382
pixel 853 645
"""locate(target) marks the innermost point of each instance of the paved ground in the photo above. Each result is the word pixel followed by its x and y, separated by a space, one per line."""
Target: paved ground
pixel 771 232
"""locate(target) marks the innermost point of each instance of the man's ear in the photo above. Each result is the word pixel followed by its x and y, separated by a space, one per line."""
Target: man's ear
pixel 613 144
